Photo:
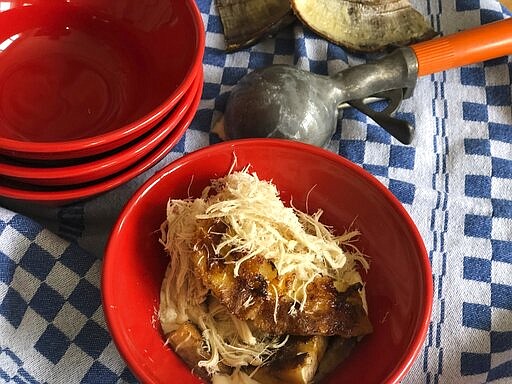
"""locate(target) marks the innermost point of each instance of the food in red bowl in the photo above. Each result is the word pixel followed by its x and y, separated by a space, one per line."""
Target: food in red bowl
pixel 80 77
pixel 398 283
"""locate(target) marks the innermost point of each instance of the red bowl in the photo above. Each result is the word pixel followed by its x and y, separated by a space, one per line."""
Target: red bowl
pixel 60 195
pixel 80 77
pixel 399 282
pixel 104 166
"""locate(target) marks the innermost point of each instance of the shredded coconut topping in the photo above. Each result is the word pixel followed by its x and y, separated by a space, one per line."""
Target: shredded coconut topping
pixel 258 223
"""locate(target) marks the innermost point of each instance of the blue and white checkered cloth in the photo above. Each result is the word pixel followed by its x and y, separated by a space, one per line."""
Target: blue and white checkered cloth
pixel 455 180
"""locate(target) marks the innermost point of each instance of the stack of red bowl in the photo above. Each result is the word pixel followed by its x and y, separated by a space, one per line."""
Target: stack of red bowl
pixel 93 92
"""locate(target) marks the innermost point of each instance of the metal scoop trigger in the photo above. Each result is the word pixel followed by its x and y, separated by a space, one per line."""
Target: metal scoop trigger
pixel 398 128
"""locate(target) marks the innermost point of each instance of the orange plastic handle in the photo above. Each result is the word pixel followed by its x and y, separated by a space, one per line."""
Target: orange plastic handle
pixel 467 47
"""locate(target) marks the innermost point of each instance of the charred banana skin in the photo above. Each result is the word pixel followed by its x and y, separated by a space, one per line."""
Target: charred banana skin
pixel 361 26
pixel 246 22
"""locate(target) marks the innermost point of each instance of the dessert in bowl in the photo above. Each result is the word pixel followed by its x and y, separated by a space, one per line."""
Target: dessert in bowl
pixel 398 283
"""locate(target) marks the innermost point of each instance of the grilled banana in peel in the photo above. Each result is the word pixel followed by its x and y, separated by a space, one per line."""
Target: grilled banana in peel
pixel 246 22
pixel 364 25
pixel 358 25
pixel 257 292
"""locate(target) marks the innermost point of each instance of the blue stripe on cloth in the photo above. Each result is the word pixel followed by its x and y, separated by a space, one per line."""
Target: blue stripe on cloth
pixel 38 261
pixel 13 307
pixel 478 226
pixel 505 10
pixel 4 375
pixel 500 132
pixel 402 157
pixel 128 377
pixel 47 302
pixel 477 186
pixel 501 371
pixel 497 61
pixel 85 297
pixel 92 339
pixel 477 147
pixel 52 344
pixel 488 16
pixel 29 230
pixel 204 6
pixel 403 190
pixel 502 250
pixel 501 296
pixel 439 217
pixel 501 341
pixel 498 95
pixel 502 168
pixel 376 134
pixel 99 373
pixel 77 260
pixel 477 269
pixel 474 363
pixel 440 363
pixel 17 375
pixel 502 208
pixel 474 76
pixel 467 5
pixel 7 269
pixel 474 111
pixel 71 221
pixel 284 44
pixel 27 377
pixel 428 343
pixel 432 372
pixel 353 150
pixel 477 316
pixel 376 170
pixel 214 24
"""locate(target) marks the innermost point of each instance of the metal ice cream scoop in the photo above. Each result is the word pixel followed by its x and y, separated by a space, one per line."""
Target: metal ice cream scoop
pixel 284 102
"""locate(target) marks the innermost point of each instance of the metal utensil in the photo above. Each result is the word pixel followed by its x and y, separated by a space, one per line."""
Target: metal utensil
pixel 284 102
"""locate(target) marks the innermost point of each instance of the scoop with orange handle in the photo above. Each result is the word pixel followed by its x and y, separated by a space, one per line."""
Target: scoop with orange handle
pixel 285 102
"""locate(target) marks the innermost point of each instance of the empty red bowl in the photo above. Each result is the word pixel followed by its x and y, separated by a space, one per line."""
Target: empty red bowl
pixel 101 167
pixel 399 282
pixel 55 195
pixel 80 77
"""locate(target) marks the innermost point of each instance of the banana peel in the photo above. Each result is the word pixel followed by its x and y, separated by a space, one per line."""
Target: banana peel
pixel 364 25
pixel 361 26
pixel 246 22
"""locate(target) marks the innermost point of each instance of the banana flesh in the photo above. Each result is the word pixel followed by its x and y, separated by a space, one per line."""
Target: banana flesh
pixel 358 25
pixel 296 364
pixel 364 25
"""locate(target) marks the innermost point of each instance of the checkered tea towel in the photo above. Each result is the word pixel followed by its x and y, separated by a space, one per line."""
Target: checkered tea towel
pixel 455 180
pixel 52 328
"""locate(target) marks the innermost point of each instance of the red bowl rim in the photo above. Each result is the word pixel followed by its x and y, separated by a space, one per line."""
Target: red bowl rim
pixel 95 144
pixel 108 165
pixel 109 265
pixel 64 196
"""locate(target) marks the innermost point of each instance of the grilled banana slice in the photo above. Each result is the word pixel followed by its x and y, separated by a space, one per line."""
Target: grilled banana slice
pixel 297 363
pixel 187 342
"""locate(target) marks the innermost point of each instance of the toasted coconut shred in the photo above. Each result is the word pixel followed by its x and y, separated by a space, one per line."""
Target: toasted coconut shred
pixel 259 224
